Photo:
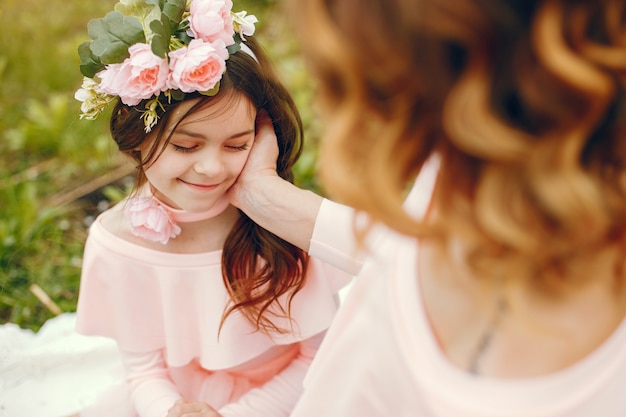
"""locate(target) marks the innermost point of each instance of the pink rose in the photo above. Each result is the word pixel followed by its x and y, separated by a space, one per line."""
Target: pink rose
pixel 210 20
pixel 198 66
pixel 141 76
pixel 150 221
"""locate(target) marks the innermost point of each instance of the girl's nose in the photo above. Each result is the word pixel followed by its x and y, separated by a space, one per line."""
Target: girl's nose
pixel 209 164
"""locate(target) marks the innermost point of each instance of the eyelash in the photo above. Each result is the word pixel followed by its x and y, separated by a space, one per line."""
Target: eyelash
pixel 183 149
pixel 243 147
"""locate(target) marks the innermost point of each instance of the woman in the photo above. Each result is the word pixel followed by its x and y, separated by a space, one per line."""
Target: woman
pixel 496 288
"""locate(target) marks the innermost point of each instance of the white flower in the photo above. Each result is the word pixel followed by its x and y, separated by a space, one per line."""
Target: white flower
pixel 150 116
pixel 244 25
pixel 93 102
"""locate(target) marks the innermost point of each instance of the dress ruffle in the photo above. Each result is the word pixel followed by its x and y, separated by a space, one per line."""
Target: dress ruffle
pixel 147 299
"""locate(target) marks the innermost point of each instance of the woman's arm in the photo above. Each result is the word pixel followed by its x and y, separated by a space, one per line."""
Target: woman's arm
pixel 273 203
pixel 322 228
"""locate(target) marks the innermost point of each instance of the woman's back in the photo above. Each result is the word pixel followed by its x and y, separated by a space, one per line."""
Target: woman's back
pixel 518 264
pixel 406 335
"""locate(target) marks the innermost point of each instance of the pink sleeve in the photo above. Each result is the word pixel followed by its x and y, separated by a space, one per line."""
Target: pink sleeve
pixel 333 238
pixel 151 390
pixel 278 396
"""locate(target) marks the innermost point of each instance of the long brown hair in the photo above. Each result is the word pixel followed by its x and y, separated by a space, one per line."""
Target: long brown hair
pixel 261 271
pixel 524 102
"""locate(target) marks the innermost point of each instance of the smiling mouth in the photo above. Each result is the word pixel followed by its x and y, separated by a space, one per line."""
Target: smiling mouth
pixel 205 187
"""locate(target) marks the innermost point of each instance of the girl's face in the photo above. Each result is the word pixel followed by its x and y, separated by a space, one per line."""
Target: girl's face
pixel 205 155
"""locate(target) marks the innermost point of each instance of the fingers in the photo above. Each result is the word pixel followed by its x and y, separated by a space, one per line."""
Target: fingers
pixel 263 120
pixel 192 409
pixel 264 151
pixel 260 165
pixel 265 136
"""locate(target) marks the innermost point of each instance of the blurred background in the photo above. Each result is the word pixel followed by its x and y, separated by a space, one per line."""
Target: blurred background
pixel 58 172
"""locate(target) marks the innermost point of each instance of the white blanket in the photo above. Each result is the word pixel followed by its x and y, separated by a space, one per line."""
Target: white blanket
pixel 54 372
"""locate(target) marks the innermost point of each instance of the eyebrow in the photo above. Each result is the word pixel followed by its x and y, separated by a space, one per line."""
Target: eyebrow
pixel 182 131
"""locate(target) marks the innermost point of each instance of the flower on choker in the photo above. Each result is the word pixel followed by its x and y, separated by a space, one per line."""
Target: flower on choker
pixel 149 220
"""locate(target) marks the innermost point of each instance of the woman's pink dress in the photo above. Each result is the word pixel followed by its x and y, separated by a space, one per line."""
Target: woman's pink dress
pixel 380 357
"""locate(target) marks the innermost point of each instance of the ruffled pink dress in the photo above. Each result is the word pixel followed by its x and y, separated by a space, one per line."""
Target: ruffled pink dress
pixel 164 311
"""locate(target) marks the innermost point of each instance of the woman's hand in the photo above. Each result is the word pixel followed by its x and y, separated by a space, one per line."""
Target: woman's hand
pixel 269 200
pixel 184 408
pixel 261 162
pixel 264 153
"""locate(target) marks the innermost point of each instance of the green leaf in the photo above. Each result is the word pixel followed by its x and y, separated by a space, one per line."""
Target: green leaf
pixel 145 12
pixel 177 95
pixel 182 36
pixel 174 10
pixel 160 43
pixel 233 48
pixel 158 3
pixel 90 64
pixel 136 8
pixel 164 29
pixel 212 91
pixel 113 35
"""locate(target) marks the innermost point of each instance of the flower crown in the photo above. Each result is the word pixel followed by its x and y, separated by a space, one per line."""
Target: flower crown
pixel 152 48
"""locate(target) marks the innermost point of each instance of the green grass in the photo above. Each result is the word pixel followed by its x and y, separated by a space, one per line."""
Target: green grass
pixel 47 153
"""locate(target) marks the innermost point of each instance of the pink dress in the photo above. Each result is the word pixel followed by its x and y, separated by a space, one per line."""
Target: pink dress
pixel 164 311
pixel 380 357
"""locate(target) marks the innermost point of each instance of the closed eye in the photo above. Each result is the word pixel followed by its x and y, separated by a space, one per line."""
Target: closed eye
pixel 184 149
pixel 243 147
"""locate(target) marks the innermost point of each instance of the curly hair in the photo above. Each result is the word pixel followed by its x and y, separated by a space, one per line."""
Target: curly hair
pixel 261 271
pixel 524 102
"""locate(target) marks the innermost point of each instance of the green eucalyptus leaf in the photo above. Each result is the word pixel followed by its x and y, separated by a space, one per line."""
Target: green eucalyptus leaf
pixel 160 43
pixel 90 64
pixel 113 35
pixel 134 7
pixel 212 91
pixel 174 10
pixel 165 28
pixel 158 3
pixel 183 37
pixel 177 95
pixel 233 48
pixel 140 9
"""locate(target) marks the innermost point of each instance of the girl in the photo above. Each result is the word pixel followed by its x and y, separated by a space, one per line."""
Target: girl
pixel 497 288
pixel 212 314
